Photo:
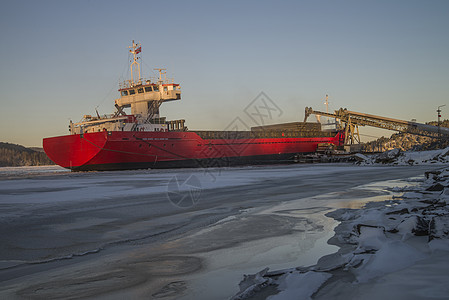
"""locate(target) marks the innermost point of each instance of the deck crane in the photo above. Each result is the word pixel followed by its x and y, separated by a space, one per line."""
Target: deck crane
pixel 353 120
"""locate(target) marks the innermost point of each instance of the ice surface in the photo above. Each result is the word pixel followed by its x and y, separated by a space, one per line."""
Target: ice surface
pixel 247 219
pixel 62 185
pixel 30 171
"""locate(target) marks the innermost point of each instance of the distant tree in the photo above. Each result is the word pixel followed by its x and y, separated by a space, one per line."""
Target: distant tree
pixel 12 155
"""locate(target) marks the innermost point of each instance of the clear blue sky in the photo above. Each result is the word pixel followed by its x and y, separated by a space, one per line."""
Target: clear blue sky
pixel 61 59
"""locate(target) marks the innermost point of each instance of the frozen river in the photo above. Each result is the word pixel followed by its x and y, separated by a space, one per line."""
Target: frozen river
pixel 170 234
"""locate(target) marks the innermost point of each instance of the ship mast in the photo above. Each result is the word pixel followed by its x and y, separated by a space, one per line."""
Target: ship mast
pixel 327 106
pixel 135 49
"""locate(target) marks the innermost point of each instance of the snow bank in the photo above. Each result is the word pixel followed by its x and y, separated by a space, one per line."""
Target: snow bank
pixel 398 157
pixel 376 242
pixel 14 172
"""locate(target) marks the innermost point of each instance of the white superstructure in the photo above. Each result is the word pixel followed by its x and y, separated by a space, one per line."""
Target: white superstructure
pixel 143 97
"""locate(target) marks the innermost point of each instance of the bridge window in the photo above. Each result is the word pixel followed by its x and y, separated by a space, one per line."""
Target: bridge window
pixel 148 89
pixel 140 90
pixel 156 88
pixel 124 93
pixel 165 89
pixel 132 92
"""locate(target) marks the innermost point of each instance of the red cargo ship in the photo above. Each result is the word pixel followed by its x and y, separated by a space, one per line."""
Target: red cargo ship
pixel 143 139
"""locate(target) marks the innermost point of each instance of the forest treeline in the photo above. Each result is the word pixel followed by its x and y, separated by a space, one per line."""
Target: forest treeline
pixel 12 155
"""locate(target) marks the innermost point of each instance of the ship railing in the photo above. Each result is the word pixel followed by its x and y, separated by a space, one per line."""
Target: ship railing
pixel 129 83
pixel 96 120
pixel 163 81
pixel 142 81
pixel 233 135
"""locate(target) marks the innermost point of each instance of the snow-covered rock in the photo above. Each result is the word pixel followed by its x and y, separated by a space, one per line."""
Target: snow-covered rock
pixel 398 157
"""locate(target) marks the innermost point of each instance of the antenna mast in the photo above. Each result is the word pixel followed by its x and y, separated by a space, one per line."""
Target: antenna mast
pixel 135 49
pixel 160 75
pixel 327 104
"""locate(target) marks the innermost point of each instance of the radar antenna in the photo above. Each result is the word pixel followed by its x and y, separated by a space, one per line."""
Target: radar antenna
pixel 162 73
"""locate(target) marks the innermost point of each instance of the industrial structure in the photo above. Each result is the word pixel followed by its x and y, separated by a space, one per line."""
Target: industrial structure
pixel 349 121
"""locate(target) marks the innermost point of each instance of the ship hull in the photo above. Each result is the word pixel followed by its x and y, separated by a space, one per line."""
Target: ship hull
pixel 117 150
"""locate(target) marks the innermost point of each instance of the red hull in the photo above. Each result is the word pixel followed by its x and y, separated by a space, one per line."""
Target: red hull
pixel 118 150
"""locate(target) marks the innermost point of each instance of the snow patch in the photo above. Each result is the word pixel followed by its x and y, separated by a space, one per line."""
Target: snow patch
pixel 398 157
pixel 391 256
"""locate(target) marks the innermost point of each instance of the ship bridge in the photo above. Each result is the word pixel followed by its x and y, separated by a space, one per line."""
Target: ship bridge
pixel 145 96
